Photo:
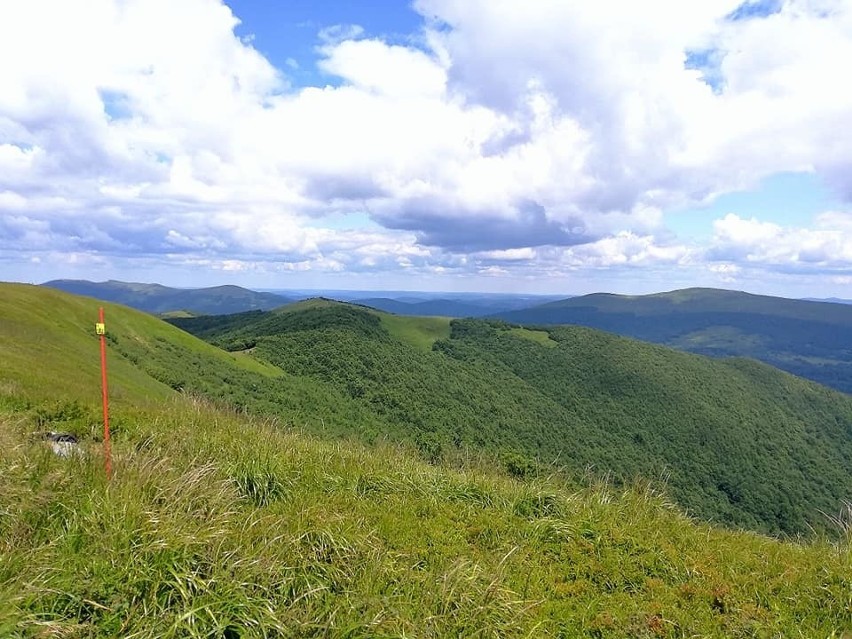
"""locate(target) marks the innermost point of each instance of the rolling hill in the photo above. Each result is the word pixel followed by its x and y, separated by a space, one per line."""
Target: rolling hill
pixel 809 339
pixel 738 442
pixel 159 299
pixel 221 523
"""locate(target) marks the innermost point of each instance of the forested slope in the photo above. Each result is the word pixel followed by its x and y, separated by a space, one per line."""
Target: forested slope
pixel 735 441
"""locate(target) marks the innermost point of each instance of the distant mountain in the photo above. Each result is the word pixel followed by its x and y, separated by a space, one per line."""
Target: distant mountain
pixel 809 339
pixel 436 307
pixel 437 304
pixel 467 305
pixel 158 299
pixel 832 300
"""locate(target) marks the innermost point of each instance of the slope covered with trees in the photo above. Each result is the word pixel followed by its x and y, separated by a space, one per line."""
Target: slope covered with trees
pixel 735 441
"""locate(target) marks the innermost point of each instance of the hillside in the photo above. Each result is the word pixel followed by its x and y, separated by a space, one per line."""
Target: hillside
pixel 218 524
pixel 46 334
pixel 806 338
pixel 737 442
pixel 159 299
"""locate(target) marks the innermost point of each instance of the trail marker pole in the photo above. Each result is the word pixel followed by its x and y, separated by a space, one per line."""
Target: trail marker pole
pixel 100 330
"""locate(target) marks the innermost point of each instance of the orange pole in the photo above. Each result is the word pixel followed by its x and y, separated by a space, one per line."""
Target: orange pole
pixel 105 393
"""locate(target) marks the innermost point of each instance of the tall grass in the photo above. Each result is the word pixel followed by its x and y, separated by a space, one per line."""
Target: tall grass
pixel 217 525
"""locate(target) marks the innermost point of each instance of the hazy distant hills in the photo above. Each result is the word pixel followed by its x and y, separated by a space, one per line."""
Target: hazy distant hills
pixel 833 300
pixel 807 338
pixel 158 299
pixel 437 304
pixel 436 307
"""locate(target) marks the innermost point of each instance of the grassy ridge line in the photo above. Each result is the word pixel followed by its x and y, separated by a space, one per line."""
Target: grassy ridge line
pixel 227 527
pixel 49 348
pixel 51 369
pixel 421 332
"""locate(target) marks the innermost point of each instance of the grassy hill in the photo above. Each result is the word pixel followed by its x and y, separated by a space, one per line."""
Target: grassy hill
pixel 160 300
pixel 221 524
pixel 806 338
pixel 737 442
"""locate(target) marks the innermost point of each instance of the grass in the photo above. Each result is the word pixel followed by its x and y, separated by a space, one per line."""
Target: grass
pixel 49 347
pixel 539 337
pixel 420 332
pixel 177 314
pixel 220 526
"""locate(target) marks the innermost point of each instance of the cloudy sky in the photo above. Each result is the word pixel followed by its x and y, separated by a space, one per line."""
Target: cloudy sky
pixel 552 146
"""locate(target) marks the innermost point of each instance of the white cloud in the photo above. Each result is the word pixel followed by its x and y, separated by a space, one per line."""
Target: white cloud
pixel 534 136
pixel 389 70
pixel 509 255
pixel 827 246
pixel 626 249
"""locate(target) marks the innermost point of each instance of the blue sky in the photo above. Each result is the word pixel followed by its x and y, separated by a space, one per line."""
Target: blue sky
pixel 789 199
pixel 490 145
pixel 288 32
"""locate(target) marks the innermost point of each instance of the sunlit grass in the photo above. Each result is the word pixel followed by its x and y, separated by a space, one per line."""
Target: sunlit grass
pixel 539 337
pixel 420 332
pixel 219 526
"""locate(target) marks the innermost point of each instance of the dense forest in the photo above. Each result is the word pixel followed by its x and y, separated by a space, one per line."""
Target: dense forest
pixel 733 441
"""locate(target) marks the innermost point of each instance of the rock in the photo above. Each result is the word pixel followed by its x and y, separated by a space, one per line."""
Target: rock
pixel 62 444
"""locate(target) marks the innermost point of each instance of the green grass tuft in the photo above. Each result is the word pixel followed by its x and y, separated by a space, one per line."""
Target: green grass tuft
pixel 420 332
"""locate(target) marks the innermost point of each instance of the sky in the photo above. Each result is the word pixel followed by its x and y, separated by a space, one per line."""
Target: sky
pixel 530 146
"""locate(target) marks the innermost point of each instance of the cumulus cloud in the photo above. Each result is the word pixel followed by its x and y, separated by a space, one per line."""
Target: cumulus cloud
pixel 390 70
pixel 528 137
pixel 825 247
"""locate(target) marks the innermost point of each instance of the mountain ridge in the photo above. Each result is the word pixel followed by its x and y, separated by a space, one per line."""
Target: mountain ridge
pixel 626 408
pixel 159 299
pixel 809 339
